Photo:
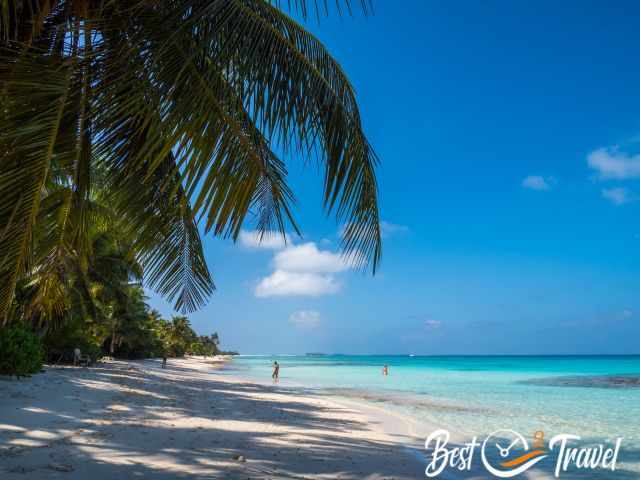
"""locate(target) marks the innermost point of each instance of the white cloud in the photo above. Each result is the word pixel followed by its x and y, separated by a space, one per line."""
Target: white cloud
pixel 433 324
pixel 611 163
pixel 387 229
pixel 269 240
pixel 303 270
pixel 537 182
pixel 307 258
pixel 305 319
pixel 618 195
pixel 283 283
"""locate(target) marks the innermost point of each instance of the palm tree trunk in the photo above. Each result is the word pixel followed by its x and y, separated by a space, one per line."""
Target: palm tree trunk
pixel 112 347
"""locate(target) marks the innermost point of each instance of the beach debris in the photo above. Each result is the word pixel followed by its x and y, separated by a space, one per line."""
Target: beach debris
pixel 61 467
pixel 240 458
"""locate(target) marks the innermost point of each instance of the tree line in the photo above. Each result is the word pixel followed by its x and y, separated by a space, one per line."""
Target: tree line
pixel 84 289
pixel 128 129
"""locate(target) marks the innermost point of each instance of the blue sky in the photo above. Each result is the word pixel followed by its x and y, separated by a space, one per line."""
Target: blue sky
pixel 509 134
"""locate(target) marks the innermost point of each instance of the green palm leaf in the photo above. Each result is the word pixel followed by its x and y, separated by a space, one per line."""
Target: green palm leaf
pixel 154 212
pixel 300 97
pixel 34 96
pixel 189 107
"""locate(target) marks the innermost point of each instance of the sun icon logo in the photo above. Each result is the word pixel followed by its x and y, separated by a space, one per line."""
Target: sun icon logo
pixel 506 453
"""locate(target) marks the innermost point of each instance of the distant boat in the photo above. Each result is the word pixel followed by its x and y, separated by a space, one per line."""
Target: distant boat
pixel 411 355
pixel 316 354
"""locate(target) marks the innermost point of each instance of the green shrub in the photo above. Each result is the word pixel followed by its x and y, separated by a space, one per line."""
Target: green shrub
pixel 21 351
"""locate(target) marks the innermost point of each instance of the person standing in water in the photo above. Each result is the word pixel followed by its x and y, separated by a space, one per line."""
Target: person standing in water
pixel 385 370
pixel 276 371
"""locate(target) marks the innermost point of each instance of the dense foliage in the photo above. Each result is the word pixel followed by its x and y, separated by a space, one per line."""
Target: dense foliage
pixel 183 105
pixel 90 295
pixel 139 333
pixel 127 127
pixel 21 351
pixel 91 299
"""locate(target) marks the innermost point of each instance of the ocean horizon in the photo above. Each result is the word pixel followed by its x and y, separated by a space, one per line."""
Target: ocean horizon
pixel 435 355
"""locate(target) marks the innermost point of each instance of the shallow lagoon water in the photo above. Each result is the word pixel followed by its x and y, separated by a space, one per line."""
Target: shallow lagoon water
pixel 596 397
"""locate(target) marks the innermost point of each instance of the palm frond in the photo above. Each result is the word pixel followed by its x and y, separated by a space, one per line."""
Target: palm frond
pixel 34 96
pixel 22 20
pixel 154 212
pixel 191 105
pixel 258 75
pixel 320 7
pixel 227 164
pixel 61 237
pixel 298 95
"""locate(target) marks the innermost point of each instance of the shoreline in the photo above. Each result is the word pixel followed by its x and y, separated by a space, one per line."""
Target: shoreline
pixel 198 419
pixel 414 418
pixel 130 419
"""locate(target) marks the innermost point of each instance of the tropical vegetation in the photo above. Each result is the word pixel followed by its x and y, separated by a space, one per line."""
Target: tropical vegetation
pixel 21 352
pixel 128 128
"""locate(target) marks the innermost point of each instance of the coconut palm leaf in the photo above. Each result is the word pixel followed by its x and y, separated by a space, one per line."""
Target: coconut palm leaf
pixel 60 236
pixel 320 7
pixel 34 96
pixel 300 97
pixel 154 212
pixel 191 105
pixel 22 19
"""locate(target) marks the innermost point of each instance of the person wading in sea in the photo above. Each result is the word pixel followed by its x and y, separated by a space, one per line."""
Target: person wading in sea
pixel 276 371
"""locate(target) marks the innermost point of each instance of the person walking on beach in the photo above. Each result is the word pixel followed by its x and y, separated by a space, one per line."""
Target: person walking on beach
pixel 276 371
pixel 76 356
pixel 385 370
pixel 164 360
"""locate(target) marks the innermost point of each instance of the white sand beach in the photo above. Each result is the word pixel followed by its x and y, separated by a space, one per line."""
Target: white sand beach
pixel 124 420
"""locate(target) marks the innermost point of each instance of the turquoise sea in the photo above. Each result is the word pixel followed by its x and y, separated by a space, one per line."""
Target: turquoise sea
pixel 596 397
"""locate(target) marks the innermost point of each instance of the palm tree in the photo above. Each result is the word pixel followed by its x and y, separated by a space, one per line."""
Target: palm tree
pixel 126 319
pixel 209 344
pixel 115 288
pixel 74 261
pixel 185 106
pixel 179 335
